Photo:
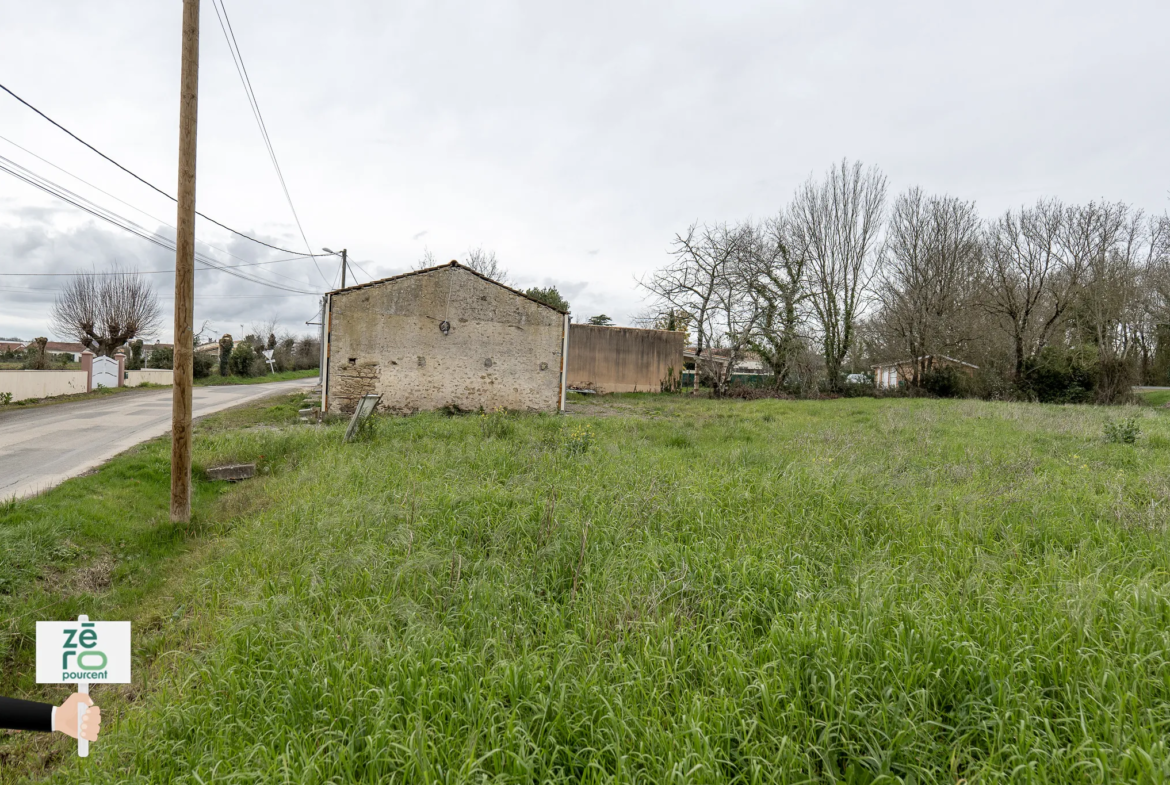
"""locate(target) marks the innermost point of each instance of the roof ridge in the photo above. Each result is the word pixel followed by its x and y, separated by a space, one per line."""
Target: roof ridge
pixel 436 268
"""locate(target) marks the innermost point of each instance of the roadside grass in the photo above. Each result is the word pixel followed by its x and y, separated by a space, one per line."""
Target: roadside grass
pixel 215 379
pixel 852 591
pixel 103 544
pixel 1155 397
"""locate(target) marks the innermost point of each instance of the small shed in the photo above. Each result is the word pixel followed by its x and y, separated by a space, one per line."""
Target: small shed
pixel 442 337
pixel 888 376
pixel 609 359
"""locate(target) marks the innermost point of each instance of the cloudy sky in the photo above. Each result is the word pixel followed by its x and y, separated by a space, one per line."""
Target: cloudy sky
pixel 573 139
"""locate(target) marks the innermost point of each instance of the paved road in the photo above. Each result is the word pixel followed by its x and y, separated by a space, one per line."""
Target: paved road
pixel 46 445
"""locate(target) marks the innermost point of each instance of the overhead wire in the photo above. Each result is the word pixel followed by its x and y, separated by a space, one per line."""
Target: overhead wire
pixel 146 182
pixel 59 191
pixel 229 34
pixel 125 223
pixel 355 264
pixel 152 217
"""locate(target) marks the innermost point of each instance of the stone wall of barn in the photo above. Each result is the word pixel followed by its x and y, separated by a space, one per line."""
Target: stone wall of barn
pixel 443 338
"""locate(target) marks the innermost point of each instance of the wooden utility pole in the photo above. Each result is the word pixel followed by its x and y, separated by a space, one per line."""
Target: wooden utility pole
pixel 185 271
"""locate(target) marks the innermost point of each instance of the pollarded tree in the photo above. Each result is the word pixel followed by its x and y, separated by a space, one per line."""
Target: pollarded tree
pixel 102 311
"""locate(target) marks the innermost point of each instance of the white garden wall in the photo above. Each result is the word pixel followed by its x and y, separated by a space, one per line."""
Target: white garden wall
pixel 151 376
pixel 42 384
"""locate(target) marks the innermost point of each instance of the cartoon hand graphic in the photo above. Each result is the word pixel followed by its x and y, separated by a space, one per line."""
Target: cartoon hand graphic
pixel 65 719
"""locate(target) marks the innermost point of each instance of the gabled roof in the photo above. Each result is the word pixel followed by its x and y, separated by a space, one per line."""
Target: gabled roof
pixel 61 346
pixel 436 268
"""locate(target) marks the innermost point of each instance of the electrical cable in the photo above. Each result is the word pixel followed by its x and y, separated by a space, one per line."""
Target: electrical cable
pixel 124 223
pixel 229 34
pixel 355 264
pixel 145 182
pixel 148 215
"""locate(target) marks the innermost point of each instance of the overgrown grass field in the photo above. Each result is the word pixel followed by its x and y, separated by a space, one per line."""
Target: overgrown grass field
pixel 659 589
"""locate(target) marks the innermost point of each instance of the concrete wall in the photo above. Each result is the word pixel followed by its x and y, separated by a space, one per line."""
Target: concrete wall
pixel 503 351
pixel 622 359
pixel 42 384
pixel 149 376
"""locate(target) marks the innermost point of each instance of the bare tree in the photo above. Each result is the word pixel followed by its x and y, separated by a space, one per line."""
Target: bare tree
pixel 836 223
pixel 1119 251
pixel 929 275
pixel 702 262
pixel 485 263
pixel 738 306
pixel 428 259
pixel 103 312
pixel 1030 280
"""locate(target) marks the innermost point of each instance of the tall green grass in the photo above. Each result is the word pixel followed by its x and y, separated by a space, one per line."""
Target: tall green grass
pixel 844 591
pixel 1155 397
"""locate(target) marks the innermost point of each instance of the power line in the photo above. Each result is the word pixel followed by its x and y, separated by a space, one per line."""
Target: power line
pixel 148 215
pixel 355 264
pixel 229 35
pixel 142 272
pixel 145 182
pixel 97 211
pixel 126 224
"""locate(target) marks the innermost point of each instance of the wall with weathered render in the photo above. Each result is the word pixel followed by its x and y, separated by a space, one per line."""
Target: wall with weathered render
pixel 42 384
pixel 502 351
pixel 622 359
pixel 149 376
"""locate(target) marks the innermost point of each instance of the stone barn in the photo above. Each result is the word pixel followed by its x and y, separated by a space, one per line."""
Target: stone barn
pixel 609 359
pixel 443 337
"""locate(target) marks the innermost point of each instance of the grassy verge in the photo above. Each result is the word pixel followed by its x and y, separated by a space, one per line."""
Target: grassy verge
pixel 216 379
pixel 693 591
pixel 1155 397
pixel 103 544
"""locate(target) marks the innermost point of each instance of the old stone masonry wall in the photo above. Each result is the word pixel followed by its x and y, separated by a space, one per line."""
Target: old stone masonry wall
pixel 443 338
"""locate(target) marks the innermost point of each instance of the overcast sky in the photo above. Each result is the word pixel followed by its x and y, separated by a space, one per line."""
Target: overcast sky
pixel 573 139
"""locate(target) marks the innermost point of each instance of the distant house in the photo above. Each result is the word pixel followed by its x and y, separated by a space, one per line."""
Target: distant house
pixel 749 365
pixel 11 346
pixel 888 376
pixel 211 349
pixel 74 350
